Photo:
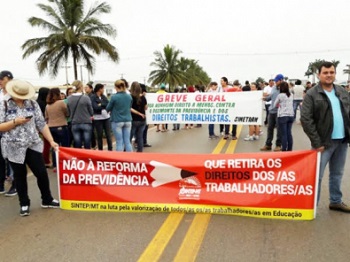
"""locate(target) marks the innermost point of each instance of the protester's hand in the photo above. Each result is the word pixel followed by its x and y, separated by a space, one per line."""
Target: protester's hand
pixel 21 120
pixel 320 149
pixel 54 145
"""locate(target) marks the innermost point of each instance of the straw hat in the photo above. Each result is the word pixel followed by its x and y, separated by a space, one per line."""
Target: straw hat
pixel 20 89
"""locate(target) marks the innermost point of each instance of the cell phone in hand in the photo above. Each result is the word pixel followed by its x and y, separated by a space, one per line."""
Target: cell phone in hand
pixel 29 117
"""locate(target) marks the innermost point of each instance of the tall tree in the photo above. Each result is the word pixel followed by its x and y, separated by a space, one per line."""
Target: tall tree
pixel 167 68
pixel 71 34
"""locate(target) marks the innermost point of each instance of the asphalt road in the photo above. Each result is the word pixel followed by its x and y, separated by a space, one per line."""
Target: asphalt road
pixel 59 235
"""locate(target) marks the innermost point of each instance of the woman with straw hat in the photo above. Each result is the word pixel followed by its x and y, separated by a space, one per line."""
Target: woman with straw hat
pixel 20 118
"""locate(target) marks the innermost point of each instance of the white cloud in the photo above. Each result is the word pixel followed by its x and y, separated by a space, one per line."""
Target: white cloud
pixel 238 39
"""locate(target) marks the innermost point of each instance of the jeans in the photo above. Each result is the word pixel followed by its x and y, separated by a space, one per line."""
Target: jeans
pixel 121 131
pixel 60 135
pixel 211 129
pixel 145 131
pixel 335 156
pixel 35 161
pixel 100 126
pixel 296 104
pixel 285 124
pixel 137 129
pixel 82 133
pixel 272 123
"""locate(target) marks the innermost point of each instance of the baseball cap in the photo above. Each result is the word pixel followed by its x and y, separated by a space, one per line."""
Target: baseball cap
pixel 279 77
pixel 6 73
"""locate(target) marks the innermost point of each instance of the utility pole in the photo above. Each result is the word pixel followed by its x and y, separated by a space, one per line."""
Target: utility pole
pixel 66 67
pixel 81 72
pixel 348 72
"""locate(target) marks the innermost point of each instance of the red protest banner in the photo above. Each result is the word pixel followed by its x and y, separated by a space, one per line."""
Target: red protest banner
pixel 270 185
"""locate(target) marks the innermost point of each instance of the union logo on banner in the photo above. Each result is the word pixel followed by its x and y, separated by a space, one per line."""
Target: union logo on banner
pixel 190 188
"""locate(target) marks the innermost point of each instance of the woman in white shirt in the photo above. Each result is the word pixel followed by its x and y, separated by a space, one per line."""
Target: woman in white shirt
pixel 285 115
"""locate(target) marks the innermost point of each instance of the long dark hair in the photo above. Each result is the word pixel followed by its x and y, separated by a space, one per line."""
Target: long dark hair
pixel 136 91
pixel 284 88
pixel 43 92
pixel 53 96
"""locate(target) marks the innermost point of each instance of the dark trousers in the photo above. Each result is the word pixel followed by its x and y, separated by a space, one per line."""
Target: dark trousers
pixel 35 161
pixel 60 135
pixel 267 114
pixel 137 129
pixel 234 130
pixel 2 169
pixel 93 136
pixel 100 126
pixel 46 151
pixel 272 123
pixel 145 132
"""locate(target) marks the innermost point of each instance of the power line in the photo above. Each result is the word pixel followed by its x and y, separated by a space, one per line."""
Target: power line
pixel 272 53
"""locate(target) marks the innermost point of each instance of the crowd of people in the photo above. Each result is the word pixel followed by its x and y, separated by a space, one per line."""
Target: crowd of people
pixel 68 119
pixel 84 115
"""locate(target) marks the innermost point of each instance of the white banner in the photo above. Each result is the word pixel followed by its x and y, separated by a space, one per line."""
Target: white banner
pixel 243 108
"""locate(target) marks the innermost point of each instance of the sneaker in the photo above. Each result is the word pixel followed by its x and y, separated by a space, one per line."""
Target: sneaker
pixel 249 138
pixel 213 137
pixel 261 132
pixel 11 192
pixel 2 190
pixel 342 207
pixel 265 148
pixel 277 149
pixel 234 138
pixel 24 211
pixel 226 137
pixel 256 137
pixel 147 145
pixel 54 204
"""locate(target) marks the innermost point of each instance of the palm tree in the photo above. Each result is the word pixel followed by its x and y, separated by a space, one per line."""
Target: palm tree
pixel 313 67
pixel 194 74
pixel 168 70
pixel 71 34
pixel 347 71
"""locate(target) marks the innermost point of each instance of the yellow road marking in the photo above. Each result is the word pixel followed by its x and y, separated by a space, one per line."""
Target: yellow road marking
pixel 194 237
pixel 219 146
pixel 232 146
pixel 156 247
